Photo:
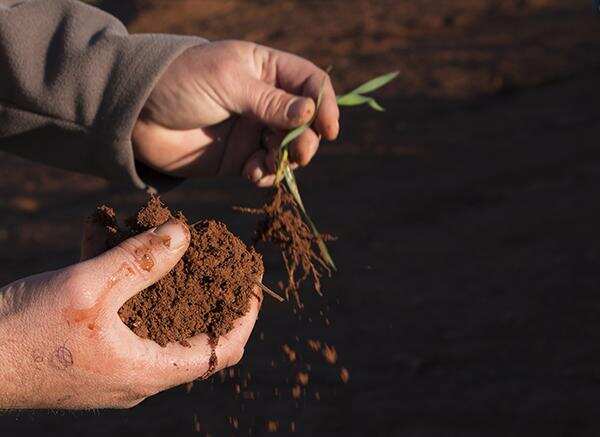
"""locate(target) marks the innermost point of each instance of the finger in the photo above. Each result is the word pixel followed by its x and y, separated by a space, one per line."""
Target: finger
pixel 185 364
pixel 181 153
pixel 302 77
pixel 255 168
pixel 268 179
pixel 271 139
pixel 327 120
pixel 304 148
pixel 271 160
pixel 266 182
pixel 231 346
pixel 137 262
pixel 273 106
pixel 93 240
pixel 242 142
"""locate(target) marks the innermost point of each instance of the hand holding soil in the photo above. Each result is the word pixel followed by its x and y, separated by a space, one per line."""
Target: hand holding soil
pixel 63 344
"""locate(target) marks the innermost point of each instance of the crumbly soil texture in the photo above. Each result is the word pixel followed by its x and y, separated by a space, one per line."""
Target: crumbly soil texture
pixel 283 226
pixel 204 293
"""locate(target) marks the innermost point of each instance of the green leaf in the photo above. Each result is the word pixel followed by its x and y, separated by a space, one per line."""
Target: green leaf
pixel 284 171
pixel 373 104
pixel 283 164
pixel 319 99
pixel 295 133
pixel 376 83
pixel 352 100
pixel 292 135
pixel 357 99
pixel 290 180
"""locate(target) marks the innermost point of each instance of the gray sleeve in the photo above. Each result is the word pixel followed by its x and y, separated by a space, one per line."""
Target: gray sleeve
pixel 72 84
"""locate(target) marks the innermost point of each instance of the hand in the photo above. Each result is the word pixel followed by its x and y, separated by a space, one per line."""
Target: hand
pixel 63 345
pixel 206 114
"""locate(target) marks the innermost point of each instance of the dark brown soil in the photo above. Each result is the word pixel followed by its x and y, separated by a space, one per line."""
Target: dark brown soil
pixel 204 293
pixel 284 227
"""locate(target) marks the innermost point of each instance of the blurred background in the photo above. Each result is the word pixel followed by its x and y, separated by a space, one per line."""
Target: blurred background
pixel 467 302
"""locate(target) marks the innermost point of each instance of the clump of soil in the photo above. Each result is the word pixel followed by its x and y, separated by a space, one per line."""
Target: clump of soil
pixel 284 227
pixel 204 293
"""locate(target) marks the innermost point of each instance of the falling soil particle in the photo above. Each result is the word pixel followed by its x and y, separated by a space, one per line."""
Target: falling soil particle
pixel 234 422
pixel 302 378
pixel 272 426
pixel 204 293
pixel 314 345
pixel 344 375
pixel 289 352
pixel 330 354
pixel 296 392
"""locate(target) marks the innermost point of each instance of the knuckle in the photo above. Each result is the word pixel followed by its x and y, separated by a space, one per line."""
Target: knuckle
pixel 271 103
pixel 311 66
pixel 76 286
pixel 320 77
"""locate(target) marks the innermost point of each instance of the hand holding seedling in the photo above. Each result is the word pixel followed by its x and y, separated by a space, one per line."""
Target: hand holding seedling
pixel 287 223
pixel 207 114
pixel 63 345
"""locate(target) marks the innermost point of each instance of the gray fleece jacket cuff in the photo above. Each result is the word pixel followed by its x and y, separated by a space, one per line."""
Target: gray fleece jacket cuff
pixel 135 78
pixel 73 82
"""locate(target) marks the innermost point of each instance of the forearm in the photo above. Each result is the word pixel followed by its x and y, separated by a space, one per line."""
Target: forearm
pixel 35 371
pixel 73 82
pixel 15 369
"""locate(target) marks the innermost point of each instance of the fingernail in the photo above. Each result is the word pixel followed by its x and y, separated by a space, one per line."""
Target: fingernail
pixel 299 109
pixel 173 233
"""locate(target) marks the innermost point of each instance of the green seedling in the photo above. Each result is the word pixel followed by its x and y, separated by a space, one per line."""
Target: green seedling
pixel 284 171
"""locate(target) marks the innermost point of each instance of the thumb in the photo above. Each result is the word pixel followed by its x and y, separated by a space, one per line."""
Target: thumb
pixel 273 106
pixel 139 261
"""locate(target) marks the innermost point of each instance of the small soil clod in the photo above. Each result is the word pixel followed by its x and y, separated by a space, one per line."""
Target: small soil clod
pixel 284 227
pixel 204 293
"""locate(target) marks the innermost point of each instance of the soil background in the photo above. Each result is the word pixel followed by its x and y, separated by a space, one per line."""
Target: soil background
pixel 467 302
